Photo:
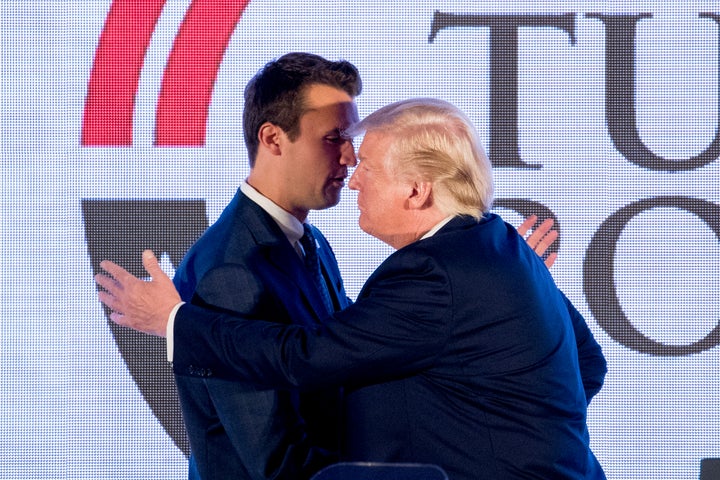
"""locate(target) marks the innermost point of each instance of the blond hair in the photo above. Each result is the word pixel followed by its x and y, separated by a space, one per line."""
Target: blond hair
pixel 433 139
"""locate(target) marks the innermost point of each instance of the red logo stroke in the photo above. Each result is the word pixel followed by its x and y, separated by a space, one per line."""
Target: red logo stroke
pixel 187 82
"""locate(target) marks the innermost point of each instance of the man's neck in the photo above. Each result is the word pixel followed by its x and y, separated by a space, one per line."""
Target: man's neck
pixel 273 190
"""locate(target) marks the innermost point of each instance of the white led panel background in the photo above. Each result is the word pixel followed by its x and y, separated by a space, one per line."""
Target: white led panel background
pixel 122 130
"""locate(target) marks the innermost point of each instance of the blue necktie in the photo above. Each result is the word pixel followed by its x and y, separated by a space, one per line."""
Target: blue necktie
pixel 312 262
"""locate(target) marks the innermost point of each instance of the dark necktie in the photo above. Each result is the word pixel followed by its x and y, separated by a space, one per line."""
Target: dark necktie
pixel 312 262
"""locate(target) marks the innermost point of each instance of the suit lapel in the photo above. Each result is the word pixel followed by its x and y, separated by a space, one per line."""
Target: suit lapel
pixel 279 253
pixel 287 261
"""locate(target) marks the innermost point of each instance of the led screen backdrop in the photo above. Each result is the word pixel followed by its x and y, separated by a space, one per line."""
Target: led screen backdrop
pixel 122 131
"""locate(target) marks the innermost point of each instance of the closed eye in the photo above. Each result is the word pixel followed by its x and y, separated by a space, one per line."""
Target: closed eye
pixel 339 137
pixel 337 140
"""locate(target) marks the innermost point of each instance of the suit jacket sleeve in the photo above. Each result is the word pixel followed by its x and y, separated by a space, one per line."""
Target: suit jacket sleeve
pixel 397 326
pixel 593 366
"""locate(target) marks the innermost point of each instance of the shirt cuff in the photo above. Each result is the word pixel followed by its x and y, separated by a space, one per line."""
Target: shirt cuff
pixel 169 329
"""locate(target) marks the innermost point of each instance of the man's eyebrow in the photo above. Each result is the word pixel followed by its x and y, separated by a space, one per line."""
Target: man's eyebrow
pixel 343 132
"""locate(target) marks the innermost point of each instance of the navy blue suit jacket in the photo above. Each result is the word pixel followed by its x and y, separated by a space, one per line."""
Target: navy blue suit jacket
pixel 459 351
pixel 244 264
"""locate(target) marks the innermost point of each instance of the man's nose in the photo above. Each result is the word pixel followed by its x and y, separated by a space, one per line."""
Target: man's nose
pixel 353 182
pixel 347 154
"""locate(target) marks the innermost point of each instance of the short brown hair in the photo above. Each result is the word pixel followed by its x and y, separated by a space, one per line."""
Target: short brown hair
pixel 276 93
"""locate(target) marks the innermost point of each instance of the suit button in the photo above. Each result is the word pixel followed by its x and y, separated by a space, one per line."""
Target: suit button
pixel 199 371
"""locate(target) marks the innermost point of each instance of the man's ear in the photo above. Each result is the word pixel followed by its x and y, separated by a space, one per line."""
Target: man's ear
pixel 270 138
pixel 420 195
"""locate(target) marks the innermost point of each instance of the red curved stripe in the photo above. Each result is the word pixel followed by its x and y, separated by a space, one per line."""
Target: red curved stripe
pixel 191 71
pixel 115 74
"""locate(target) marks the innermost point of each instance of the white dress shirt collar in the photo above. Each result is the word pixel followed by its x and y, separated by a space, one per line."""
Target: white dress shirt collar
pixel 437 227
pixel 290 226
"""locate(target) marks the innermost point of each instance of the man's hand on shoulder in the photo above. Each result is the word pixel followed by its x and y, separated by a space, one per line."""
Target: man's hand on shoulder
pixel 141 305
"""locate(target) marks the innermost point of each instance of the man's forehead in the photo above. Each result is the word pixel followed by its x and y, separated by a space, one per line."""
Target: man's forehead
pixel 339 107
pixel 318 95
pixel 344 113
pixel 374 141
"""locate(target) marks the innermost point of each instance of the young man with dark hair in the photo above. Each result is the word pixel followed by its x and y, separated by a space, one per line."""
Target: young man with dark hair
pixel 247 262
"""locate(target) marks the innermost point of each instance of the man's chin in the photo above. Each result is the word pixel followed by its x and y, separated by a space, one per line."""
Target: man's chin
pixel 330 201
pixel 363 225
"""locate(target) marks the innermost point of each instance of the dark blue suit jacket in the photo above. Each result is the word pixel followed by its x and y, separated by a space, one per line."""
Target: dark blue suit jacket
pixel 244 264
pixel 460 351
